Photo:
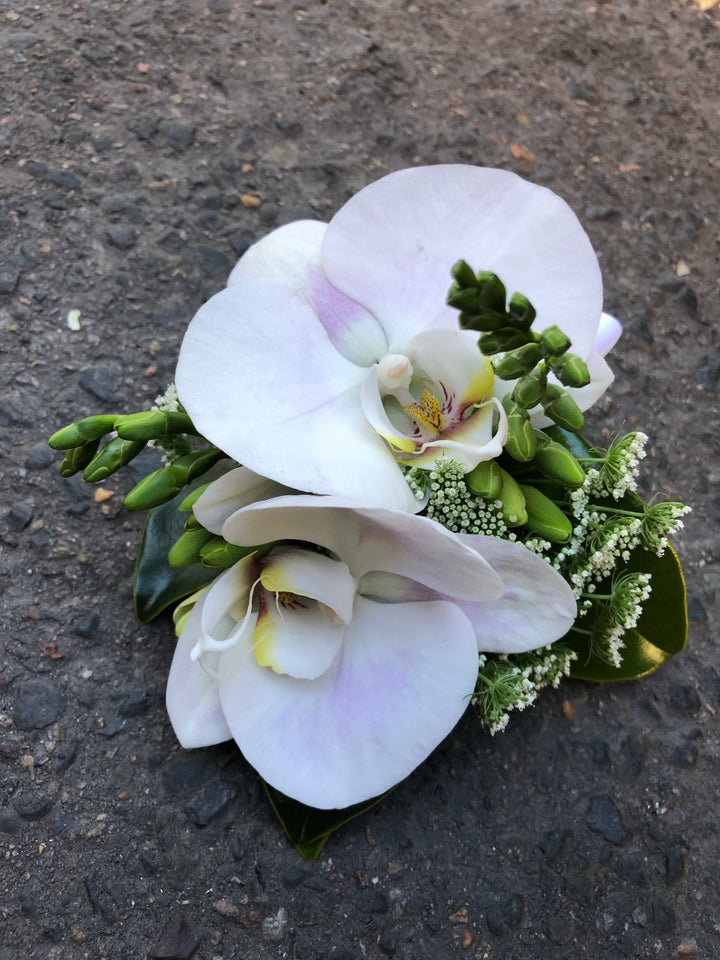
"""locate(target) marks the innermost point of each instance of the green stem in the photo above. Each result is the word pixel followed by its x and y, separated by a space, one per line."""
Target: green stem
pixel 624 513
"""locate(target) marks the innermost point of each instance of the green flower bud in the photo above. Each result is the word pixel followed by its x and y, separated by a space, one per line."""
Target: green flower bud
pixel 199 462
pixel 158 487
pixel 485 480
pixel 530 389
pixel 521 442
pixel 219 554
pixel 115 454
pixel 544 517
pixel 189 501
pixel 570 370
pixel 513 502
pixel 555 461
pixel 75 434
pixel 483 321
pixel 521 311
pixel 516 363
pixel 463 298
pixel 562 409
pixel 78 458
pixel 505 339
pixel 463 274
pixel 152 424
pixel 553 342
pixel 192 522
pixel 492 295
pixel 186 549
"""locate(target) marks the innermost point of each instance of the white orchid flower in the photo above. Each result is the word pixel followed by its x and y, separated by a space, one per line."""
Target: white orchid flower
pixel 340 660
pixel 332 354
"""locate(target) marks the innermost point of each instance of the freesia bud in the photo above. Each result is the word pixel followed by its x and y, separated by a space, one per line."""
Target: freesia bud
pixel 186 549
pixel 521 311
pixel 530 389
pixel 158 487
pixel 521 442
pixel 492 295
pixel 463 298
pixel 75 434
pixel 78 458
pixel 544 517
pixel 571 370
pixel 151 424
pixel 513 502
pixel 555 461
pixel 197 463
pixel 485 480
pixel 553 342
pixel 562 409
pixel 219 554
pixel 518 362
pixel 463 274
pixel 115 454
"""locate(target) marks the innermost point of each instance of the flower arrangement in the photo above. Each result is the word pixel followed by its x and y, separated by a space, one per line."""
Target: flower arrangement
pixel 377 507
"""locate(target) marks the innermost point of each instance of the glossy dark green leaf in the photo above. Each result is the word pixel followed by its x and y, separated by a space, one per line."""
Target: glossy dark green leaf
pixel 574 442
pixel 157 584
pixel 308 828
pixel 661 631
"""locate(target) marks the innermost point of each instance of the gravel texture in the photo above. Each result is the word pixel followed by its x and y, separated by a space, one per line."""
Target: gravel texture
pixel 144 146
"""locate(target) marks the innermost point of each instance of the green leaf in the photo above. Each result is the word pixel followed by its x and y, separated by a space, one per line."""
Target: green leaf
pixel 157 584
pixel 306 827
pixel 661 631
pixel 574 442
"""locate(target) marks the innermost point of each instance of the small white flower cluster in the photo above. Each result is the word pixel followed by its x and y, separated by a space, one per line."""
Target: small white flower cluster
pixel 513 683
pixel 167 402
pixel 619 471
pixel 173 447
pixel 621 613
pixel 454 506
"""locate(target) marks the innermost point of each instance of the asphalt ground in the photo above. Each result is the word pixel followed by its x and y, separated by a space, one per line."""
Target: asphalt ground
pixel 144 146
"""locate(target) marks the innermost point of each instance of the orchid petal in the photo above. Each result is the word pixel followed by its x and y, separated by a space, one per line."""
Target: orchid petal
pixel 259 377
pixel 392 245
pixel 608 334
pixel 470 442
pixel 193 699
pixel 226 613
pixel 400 685
pixel 451 359
pixel 298 639
pixel 371 539
pixel 292 254
pixel 536 608
pixel 311 575
pixel 230 492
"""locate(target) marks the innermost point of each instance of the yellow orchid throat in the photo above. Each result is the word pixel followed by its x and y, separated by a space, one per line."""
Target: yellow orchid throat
pixel 426 414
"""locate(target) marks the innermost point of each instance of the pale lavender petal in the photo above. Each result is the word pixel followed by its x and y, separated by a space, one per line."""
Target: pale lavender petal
pixel 370 539
pixel 260 379
pixel 292 255
pixel 230 492
pixel 391 248
pixel 537 606
pixel 608 334
pixel 401 683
